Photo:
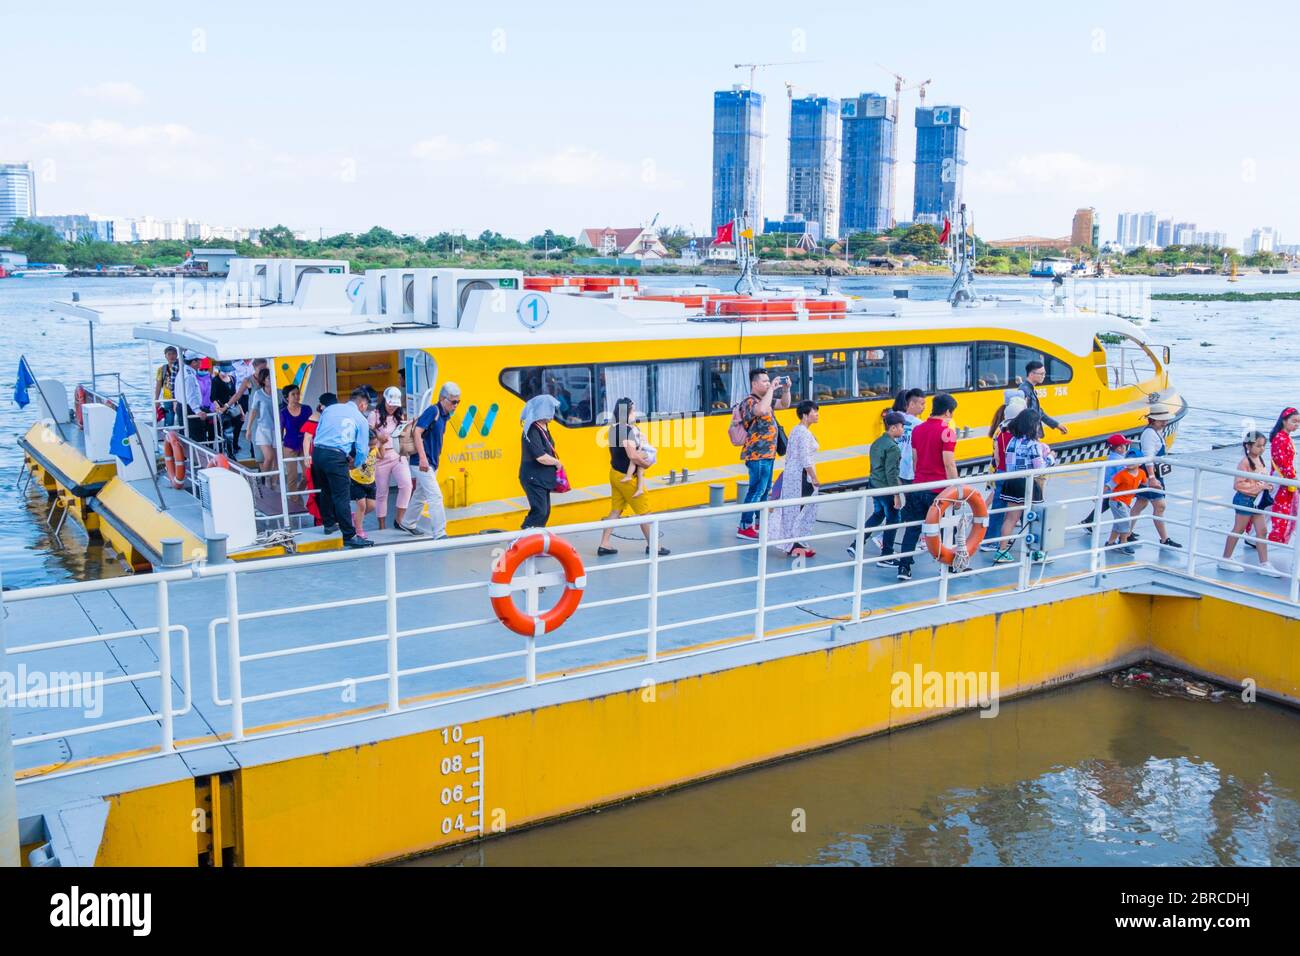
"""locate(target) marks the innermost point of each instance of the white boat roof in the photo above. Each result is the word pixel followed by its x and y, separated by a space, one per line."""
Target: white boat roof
pixel 490 319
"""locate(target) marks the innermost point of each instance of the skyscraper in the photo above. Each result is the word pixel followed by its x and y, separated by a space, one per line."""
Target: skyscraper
pixel 868 158
pixel 1184 234
pixel 1081 228
pixel 17 193
pixel 814 162
pixel 1146 228
pixel 737 155
pixel 940 161
pixel 1165 233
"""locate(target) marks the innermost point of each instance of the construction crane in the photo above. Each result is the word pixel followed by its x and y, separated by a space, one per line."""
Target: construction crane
pixel 754 67
pixel 901 87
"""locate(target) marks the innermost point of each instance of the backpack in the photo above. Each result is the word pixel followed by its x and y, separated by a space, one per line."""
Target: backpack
pixel 737 431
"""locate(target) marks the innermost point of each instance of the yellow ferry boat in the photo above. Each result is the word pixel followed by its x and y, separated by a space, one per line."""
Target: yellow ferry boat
pixel 682 355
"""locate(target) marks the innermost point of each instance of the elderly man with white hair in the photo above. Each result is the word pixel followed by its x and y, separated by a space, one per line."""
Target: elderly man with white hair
pixel 429 429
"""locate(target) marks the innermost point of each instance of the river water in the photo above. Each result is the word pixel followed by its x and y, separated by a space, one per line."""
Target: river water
pixel 1085 775
pixel 1089 774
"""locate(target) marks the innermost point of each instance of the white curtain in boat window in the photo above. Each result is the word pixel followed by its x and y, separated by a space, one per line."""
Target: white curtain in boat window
pixel 626 381
pixel 677 388
pixel 916 368
pixel 951 367
pixel 739 379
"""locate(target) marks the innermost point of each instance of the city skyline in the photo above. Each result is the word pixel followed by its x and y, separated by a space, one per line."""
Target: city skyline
pixel 241 129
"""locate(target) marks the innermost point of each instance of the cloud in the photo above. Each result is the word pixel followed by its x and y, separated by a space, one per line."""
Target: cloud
pixel 1051 173
pixel 583 166
pixel 114 91
pixel 441 149
pixel 111 133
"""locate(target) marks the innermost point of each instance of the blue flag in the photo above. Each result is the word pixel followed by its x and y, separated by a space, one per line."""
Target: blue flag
pixel 25 381
pixel 123 429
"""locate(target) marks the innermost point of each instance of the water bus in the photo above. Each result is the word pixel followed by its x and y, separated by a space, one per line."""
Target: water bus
pixel 683 355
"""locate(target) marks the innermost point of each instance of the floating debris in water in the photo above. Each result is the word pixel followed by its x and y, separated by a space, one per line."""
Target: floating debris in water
pixel 1206 344
pixel 1167 683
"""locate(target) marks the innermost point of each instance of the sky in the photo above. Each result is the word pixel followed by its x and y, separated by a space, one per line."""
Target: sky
pixel 519 117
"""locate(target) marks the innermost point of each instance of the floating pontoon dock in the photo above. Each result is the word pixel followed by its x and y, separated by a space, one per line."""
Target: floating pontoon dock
pixel 365 706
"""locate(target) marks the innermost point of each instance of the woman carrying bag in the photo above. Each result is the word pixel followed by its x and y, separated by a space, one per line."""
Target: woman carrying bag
pixel 540 471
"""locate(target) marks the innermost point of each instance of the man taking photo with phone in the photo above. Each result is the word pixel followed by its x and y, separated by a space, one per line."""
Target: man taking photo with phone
pixel 760 449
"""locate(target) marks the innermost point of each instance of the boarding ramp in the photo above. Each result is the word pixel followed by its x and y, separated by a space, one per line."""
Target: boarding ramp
pixel 268 648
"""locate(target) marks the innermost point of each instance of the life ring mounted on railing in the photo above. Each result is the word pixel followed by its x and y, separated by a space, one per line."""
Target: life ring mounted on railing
pixel 575 581
pixel 954 497
pixel 174 458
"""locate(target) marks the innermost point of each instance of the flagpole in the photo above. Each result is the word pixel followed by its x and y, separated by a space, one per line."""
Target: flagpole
pixel 149 458
pixel 48 407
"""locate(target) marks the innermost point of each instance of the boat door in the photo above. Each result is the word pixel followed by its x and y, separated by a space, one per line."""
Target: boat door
pixel 421 370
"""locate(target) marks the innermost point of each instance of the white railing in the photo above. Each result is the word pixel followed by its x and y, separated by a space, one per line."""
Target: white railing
pixel 634 611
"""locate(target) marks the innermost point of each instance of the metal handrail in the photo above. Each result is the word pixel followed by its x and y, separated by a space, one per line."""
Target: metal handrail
pixel 654 595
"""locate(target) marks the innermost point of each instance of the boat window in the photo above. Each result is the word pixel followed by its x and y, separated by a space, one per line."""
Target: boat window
pixel 571 384
pixel 991 365
pixel 624 381
pixel 726 382
pixel 778 365
pixel 951 367
pixel 914 368
pixel 874 378
pixel 1128 361
pixel 832 376
pixel 1057 371
pixel 1020 357
pixel 677 388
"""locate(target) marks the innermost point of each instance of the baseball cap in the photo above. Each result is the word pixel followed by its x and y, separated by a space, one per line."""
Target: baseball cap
pixel 393 395
pixel 1117 441
pixel 894 418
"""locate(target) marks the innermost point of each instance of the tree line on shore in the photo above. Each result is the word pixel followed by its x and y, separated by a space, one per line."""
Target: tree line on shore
pixel 379 247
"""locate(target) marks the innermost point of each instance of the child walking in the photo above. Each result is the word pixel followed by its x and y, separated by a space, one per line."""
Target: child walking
pixel 885 459
pixel 363 484
pixel 1124 485
pixel 1250 493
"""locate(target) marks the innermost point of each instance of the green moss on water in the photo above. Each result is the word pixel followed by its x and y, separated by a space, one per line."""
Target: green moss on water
pixel 1225 296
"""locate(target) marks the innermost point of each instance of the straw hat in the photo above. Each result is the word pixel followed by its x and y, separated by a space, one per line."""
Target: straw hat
pixel 1161 412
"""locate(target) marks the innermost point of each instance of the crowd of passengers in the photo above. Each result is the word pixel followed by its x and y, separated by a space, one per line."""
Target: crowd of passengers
pixel 346 459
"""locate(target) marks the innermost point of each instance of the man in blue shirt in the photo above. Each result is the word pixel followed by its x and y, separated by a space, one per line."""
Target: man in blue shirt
pixel 342 439
pixel 429 429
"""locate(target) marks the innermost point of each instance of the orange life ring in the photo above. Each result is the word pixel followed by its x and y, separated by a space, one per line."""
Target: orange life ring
pixel 950 498
pixel 575 580
pixel 174 457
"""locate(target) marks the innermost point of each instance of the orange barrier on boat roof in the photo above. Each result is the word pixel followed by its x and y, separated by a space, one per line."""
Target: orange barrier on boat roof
pixel 603 283
pixel 826 305
pixel 544 283
pixel 757 307
pixel 690 301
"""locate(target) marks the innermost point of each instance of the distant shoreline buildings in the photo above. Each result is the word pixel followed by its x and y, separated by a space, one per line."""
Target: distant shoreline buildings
pixel 17 193
pixel 843 155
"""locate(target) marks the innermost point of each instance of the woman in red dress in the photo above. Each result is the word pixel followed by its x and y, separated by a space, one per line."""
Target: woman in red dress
pixel 308 430
pixel 1282 450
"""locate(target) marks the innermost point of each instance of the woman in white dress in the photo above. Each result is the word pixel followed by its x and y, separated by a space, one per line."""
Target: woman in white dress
pixel 798 480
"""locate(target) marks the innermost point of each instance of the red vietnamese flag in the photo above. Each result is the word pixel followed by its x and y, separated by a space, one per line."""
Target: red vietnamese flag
pixel 947 229
pixel 726 233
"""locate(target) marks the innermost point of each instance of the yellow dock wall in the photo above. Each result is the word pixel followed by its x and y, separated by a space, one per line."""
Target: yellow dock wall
pixel 398 797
